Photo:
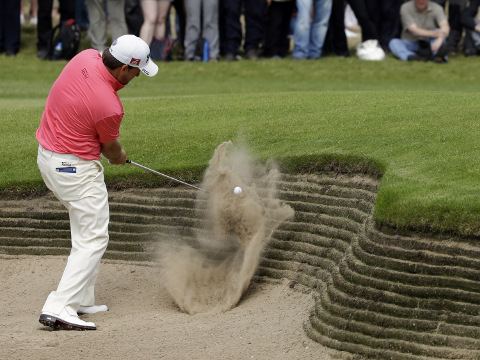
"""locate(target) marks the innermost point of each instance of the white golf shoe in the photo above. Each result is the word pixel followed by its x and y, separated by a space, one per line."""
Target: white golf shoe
pixel 92 309
pixel 65 321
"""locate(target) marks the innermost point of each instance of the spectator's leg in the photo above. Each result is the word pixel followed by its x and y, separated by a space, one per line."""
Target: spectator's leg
pixel 455 9
pixel 161 25
pixel 181 16
pixel 192 29
pixel 118 24
pixel 98 24
pixel 337 27
pixel 359 8
pixel 150 10
pixel 210 26
pixel 321 17
pixel 272 27
pixel 232 9
pixel 284 41
pixel 44 27
pixel 302 29
pixel 11 26
pixel 254 23
pixel 403 49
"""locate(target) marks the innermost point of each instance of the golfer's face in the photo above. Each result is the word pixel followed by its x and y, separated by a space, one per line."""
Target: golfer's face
pixel 127 74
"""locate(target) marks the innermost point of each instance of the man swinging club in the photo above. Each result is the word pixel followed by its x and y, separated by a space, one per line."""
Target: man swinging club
pixel 81 121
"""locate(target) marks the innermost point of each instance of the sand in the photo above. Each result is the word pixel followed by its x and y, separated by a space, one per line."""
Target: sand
pixel 145 323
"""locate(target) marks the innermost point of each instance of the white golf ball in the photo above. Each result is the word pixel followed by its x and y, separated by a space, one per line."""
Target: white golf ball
pixel 238 190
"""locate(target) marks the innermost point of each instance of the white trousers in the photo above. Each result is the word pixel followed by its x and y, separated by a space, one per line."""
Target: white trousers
pixel 79 185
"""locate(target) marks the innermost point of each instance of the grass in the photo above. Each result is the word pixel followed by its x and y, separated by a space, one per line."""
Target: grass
pixel 414 123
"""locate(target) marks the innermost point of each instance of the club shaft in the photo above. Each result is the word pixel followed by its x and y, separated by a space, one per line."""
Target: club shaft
pixel 166 176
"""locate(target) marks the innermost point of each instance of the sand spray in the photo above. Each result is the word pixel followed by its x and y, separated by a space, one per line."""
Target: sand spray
pixel 213 272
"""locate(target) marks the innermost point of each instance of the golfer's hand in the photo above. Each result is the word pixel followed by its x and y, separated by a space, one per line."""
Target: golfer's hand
pixel 120 160
pixel 114 152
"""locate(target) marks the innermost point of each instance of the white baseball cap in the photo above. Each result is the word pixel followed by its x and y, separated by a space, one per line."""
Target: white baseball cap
pixel 133 51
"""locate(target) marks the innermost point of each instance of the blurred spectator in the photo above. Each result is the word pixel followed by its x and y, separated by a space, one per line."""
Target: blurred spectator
pixel 309 36
pixel 455 8
pixel 97 12
pixel 470 21
pixel 370 49
pixel 180 25
pixel 81 14
pixel 10 27
pixel 424 31
pixel 359 7
pixel 231 11
pixel 279 16
pixel 336 38
pixel 154 19
pixel 385 15
pixel 44 26
pixel 133 16
pixel 32 13
pixel 202 22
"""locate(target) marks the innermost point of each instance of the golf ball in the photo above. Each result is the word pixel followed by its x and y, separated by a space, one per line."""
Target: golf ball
pixel 238 190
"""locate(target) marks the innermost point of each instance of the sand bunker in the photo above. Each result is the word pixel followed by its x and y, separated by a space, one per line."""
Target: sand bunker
pixel 212 272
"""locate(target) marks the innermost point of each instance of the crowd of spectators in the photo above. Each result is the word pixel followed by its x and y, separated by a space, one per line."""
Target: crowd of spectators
pixel 229 30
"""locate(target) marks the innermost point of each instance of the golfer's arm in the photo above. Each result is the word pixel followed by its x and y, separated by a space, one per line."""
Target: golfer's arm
pixel 114 152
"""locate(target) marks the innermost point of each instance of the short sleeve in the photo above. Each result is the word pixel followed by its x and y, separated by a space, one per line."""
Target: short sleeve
pixel 108 129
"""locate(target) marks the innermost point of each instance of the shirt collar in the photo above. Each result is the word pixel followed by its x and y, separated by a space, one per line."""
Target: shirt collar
pixel 109 78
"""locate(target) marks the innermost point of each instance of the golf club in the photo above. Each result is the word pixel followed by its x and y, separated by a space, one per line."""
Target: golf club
pixel 166 176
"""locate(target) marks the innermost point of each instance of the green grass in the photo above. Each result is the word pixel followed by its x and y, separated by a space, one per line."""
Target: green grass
pixel 415 123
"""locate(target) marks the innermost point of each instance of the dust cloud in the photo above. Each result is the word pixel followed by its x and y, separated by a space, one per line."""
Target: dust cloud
pixel 212 271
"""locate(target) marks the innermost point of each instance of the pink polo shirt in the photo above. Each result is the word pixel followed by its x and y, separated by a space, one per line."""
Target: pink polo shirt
pixel 83 109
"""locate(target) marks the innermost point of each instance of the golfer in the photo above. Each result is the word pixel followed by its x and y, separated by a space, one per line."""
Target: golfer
pixel 80 122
